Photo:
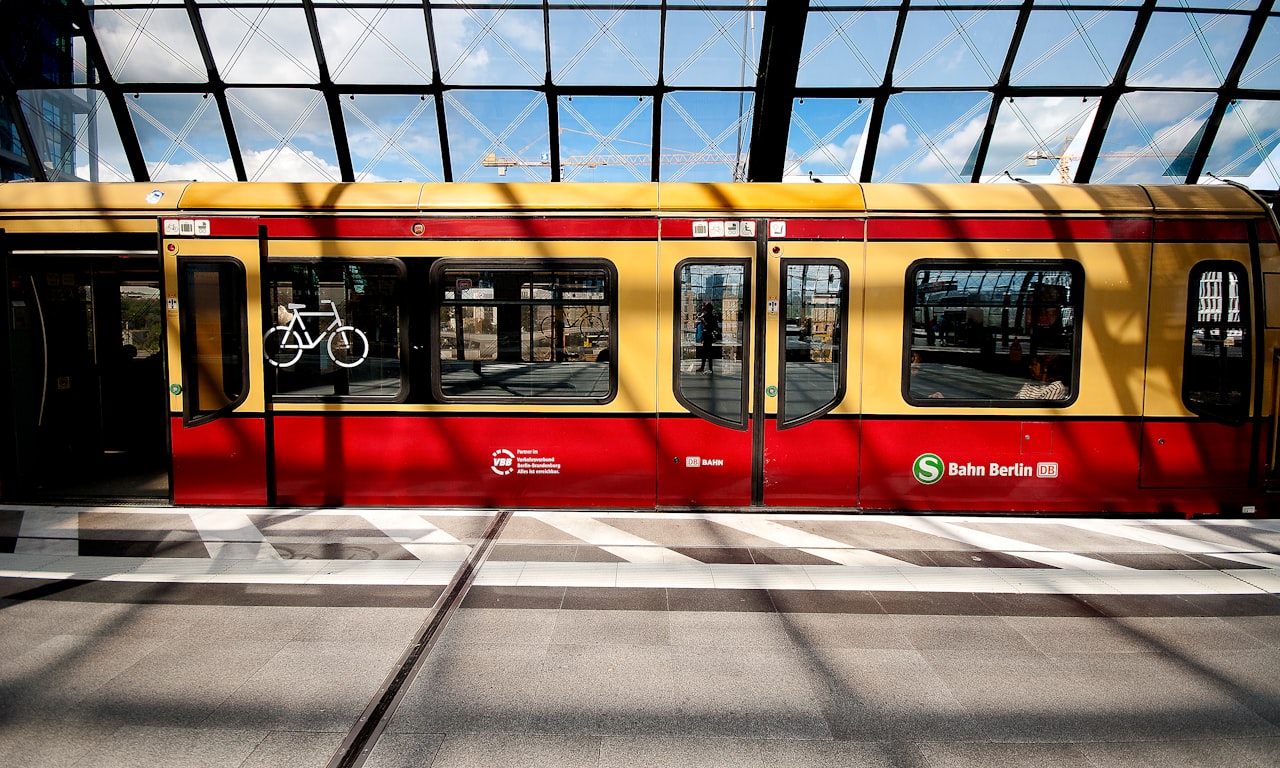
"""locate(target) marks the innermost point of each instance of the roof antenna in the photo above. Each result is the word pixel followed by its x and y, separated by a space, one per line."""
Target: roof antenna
pixel 1015 178
pixel 815 181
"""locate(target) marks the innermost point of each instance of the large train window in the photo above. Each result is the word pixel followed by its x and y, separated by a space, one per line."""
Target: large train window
pixel 711 331
pixel 213 331
pixel 813 303
pixel 992 333
pixel 1217 362
pixel 333 328
pixel 525 330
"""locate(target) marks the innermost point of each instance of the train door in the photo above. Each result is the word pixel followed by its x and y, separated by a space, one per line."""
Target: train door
pixel 1200 362
pixel 757 330
pixel 218 423
pixel 86 377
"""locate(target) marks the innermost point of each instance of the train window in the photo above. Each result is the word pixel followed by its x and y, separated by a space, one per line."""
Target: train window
pixel 813 304
pixel 525 330
pixel 333 328
pixel 712 331
pixel 992 333
pixel 214 336
pixel 1217 361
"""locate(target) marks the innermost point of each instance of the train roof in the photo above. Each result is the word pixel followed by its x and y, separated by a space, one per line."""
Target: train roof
pixel 143 199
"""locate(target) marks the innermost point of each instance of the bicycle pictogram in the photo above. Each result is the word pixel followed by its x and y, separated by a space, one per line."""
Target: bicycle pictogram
pixel 284 344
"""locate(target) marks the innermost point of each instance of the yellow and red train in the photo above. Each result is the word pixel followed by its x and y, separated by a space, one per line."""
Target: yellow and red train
pixel 1004 348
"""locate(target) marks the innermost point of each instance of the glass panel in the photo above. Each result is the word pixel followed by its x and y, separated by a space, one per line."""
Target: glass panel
pixel 1247 147
pixel 930 137
pixel 479 46
pixel 826 138
pixel 813 341
pixel 992 335
pixel 285 135
pixel 375 45
pixel 712 48
pixel 393 138
pixel 261 44
pixel 1187 49
pixel 1152 138
pixel 214 373
pixel 75 135
pixel 198 150
pixel 1039 140
pixel 604 46
pixel 953 48
pixel 705 136
pixel 1263 68
pixel 493 131
pixel 149 45
pixel 606 138
pixel 713 334
pixel 846 49
pixel 1215 378
pixel 1072 47
pixel 516 332
pixel 337 328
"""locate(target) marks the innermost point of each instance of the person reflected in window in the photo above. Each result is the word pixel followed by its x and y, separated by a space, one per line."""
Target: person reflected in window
pixel 1047 384
pixel 707 330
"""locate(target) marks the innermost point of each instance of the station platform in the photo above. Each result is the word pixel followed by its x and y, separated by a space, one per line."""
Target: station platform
pixel 173 636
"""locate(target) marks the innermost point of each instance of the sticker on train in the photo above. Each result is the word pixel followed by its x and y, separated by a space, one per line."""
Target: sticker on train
pixel 929 468
pixel 524 461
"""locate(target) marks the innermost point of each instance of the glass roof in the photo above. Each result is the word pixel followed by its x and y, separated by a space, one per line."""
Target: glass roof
pixel 1115 91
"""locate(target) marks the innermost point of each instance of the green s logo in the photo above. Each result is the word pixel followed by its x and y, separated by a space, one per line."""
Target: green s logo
pixel 928 468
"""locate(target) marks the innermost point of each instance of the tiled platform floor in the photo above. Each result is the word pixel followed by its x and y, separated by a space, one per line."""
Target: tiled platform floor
pixel 224 637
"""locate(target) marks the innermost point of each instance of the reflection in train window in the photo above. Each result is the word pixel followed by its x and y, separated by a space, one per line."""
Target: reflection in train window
pixel 712 330
pixel 1215 376
pixel 215 374
pixel 525 330
pixel 813 304
pixel 333 328
pixel 992 333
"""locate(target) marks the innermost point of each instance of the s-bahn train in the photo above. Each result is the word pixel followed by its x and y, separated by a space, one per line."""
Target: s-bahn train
pixel 978 348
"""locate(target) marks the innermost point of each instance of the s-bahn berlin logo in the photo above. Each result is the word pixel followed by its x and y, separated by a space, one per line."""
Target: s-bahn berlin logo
pixel 929 468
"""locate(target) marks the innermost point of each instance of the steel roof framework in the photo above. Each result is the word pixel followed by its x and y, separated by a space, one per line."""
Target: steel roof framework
pixel 69 85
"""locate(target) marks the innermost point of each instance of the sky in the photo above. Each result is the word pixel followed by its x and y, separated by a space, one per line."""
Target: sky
pixel 949 56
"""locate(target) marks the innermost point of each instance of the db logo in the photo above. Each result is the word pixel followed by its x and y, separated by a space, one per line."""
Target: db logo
pixel 1047 469
pixel 928 468
pixel 504 462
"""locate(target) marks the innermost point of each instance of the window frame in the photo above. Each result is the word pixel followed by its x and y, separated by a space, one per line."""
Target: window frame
pixel 192 414
pixel 1219 412
pixel 269 322
pixel 1076 303
pixel 435 299
pixel 841 344
pixel 746 326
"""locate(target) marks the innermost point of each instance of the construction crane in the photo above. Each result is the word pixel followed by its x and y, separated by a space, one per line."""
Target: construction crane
pixel 734 160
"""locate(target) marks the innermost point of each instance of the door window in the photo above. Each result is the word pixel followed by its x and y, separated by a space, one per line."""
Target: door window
pixel 215 377
pixel 712 331
pixel 1215 377
pixel 813 340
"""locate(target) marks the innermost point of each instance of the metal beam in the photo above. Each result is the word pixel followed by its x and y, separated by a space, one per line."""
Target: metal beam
pixel 780 47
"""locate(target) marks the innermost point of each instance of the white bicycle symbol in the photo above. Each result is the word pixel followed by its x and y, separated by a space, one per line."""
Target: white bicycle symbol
pixel 284 344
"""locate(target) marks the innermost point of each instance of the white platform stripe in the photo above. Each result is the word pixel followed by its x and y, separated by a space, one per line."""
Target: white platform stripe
pixel 995 543
pixel 230 534
pixel 418 536
pixel 615 541
pixel 49 531
pixel 820 546
pixel 1175 541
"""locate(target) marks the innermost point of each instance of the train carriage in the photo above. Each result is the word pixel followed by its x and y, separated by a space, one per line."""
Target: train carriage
pixel 1003 348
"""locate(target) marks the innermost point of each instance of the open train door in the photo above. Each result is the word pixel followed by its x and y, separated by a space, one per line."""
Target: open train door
pixel 85 380
pixel 1201 427
pixel 217 419
pixel 755 321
